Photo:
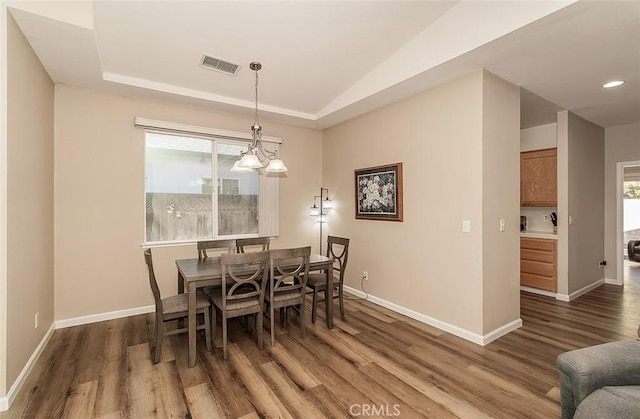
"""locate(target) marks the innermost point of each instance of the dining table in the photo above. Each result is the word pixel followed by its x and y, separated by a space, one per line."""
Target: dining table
pixel 197 273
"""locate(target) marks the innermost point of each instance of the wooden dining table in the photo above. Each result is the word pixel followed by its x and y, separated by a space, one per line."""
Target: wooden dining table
pixel 196 273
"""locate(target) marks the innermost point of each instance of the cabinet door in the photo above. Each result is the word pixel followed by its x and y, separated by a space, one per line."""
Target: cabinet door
pixel 538 178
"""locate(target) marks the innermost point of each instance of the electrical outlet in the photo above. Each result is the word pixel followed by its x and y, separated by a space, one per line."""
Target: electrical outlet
pixel 545 218
pixel 365 275
pixel 36 320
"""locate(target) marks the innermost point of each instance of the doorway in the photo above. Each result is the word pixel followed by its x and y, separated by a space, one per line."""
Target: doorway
pixel 628 187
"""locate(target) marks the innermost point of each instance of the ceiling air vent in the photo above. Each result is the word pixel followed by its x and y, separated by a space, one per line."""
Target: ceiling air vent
pixel 213 63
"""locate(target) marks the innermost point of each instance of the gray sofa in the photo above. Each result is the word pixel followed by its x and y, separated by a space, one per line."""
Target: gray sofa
pixel 601 381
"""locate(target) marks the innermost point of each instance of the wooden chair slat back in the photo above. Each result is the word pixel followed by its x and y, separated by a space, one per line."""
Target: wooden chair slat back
pixel 338 249
pixel 203 245
pixel 148 258
pixel 265 242
pixel 289 269
pixel 244 275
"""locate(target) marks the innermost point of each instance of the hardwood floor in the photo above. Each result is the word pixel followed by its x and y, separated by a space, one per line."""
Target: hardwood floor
pixel 373 363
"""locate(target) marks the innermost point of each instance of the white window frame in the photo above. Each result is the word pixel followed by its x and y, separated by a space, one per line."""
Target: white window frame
pixel 268 186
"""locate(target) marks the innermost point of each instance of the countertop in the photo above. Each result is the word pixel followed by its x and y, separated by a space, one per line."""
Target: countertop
pixel 539 234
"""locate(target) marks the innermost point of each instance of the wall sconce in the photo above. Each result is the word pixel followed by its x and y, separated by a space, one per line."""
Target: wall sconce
pixel 320 210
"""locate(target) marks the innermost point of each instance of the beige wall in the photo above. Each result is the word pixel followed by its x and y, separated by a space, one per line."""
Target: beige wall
pixel 536 138
pixel 562 137
pixel 585 202
pixel 426 263
pixel 3 199
pixel 29 201
pixel 622 144
pixel 500 200
pixel 99 197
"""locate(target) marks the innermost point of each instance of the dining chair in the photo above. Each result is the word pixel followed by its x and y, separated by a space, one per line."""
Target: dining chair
pixel 338 249
pixel 204 245
pixel 244 277
pixel 288 270
pixel 253 241
pixel 175 307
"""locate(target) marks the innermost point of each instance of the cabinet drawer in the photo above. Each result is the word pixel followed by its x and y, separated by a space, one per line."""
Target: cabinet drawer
pixel 538 244
pixel 538 268
pixel 537 255
pixel 540 282
pixel 538 264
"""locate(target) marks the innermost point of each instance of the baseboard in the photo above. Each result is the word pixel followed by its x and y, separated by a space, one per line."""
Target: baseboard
pixel 581 291
pixel 5 402
pixel 94 318
pixel 612 281
pixel 501 331
pixel 454 330
pixel 538 291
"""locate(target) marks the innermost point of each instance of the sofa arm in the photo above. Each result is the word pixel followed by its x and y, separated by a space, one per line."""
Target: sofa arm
pixel 583 371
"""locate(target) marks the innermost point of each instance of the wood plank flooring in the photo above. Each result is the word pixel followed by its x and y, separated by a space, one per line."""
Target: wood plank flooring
pixel 374 363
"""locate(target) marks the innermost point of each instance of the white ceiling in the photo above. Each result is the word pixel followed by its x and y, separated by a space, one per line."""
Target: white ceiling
pixel 327 61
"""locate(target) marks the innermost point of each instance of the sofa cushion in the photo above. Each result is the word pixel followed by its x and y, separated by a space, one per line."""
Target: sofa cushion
pixel 615 402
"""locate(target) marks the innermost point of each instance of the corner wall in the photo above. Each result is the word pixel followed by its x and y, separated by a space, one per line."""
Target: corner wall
pixel 3 203
pixel 585 203
pixel 29 201
pixel 500 201
pixel 426 264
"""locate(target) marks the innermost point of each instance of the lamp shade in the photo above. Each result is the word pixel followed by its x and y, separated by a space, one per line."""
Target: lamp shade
pixel 250 161
pixel 314 211
pixel 327 204
pixel 236 167
pixel 276 166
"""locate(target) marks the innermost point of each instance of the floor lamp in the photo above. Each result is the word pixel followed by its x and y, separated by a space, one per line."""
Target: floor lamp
pixel 320 210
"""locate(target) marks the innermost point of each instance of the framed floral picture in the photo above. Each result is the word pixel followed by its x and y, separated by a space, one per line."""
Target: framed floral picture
pixel 379 193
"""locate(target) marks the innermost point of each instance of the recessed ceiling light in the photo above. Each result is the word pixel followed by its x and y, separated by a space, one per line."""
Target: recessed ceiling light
pixel 614 83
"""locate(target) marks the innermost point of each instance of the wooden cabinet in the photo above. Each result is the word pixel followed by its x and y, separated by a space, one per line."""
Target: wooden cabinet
pixel 538 178
pixel 539 263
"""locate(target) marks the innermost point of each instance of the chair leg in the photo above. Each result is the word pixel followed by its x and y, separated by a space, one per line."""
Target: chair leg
pixel 341 297
pixel 314 305
pixel 207 326
pixel 259 326
pixel 213 323
pixel 302 313
pixel 273 325
pixel 158 334
pixel 152 344
pixel 224 335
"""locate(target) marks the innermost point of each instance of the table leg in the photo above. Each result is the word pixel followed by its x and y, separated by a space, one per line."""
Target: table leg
pixel 192 327
pixel 180 291
pixel 328 299
pixel 180 283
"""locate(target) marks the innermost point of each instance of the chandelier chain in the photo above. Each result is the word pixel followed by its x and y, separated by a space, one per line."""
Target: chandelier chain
pixel 256 71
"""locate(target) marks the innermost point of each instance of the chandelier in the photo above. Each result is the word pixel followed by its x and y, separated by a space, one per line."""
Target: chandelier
pixel 256 157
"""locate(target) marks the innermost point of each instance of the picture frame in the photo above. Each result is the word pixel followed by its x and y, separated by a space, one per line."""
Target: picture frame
pixel 378 193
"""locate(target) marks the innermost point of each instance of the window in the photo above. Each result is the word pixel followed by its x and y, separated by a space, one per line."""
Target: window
pixel 191 193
